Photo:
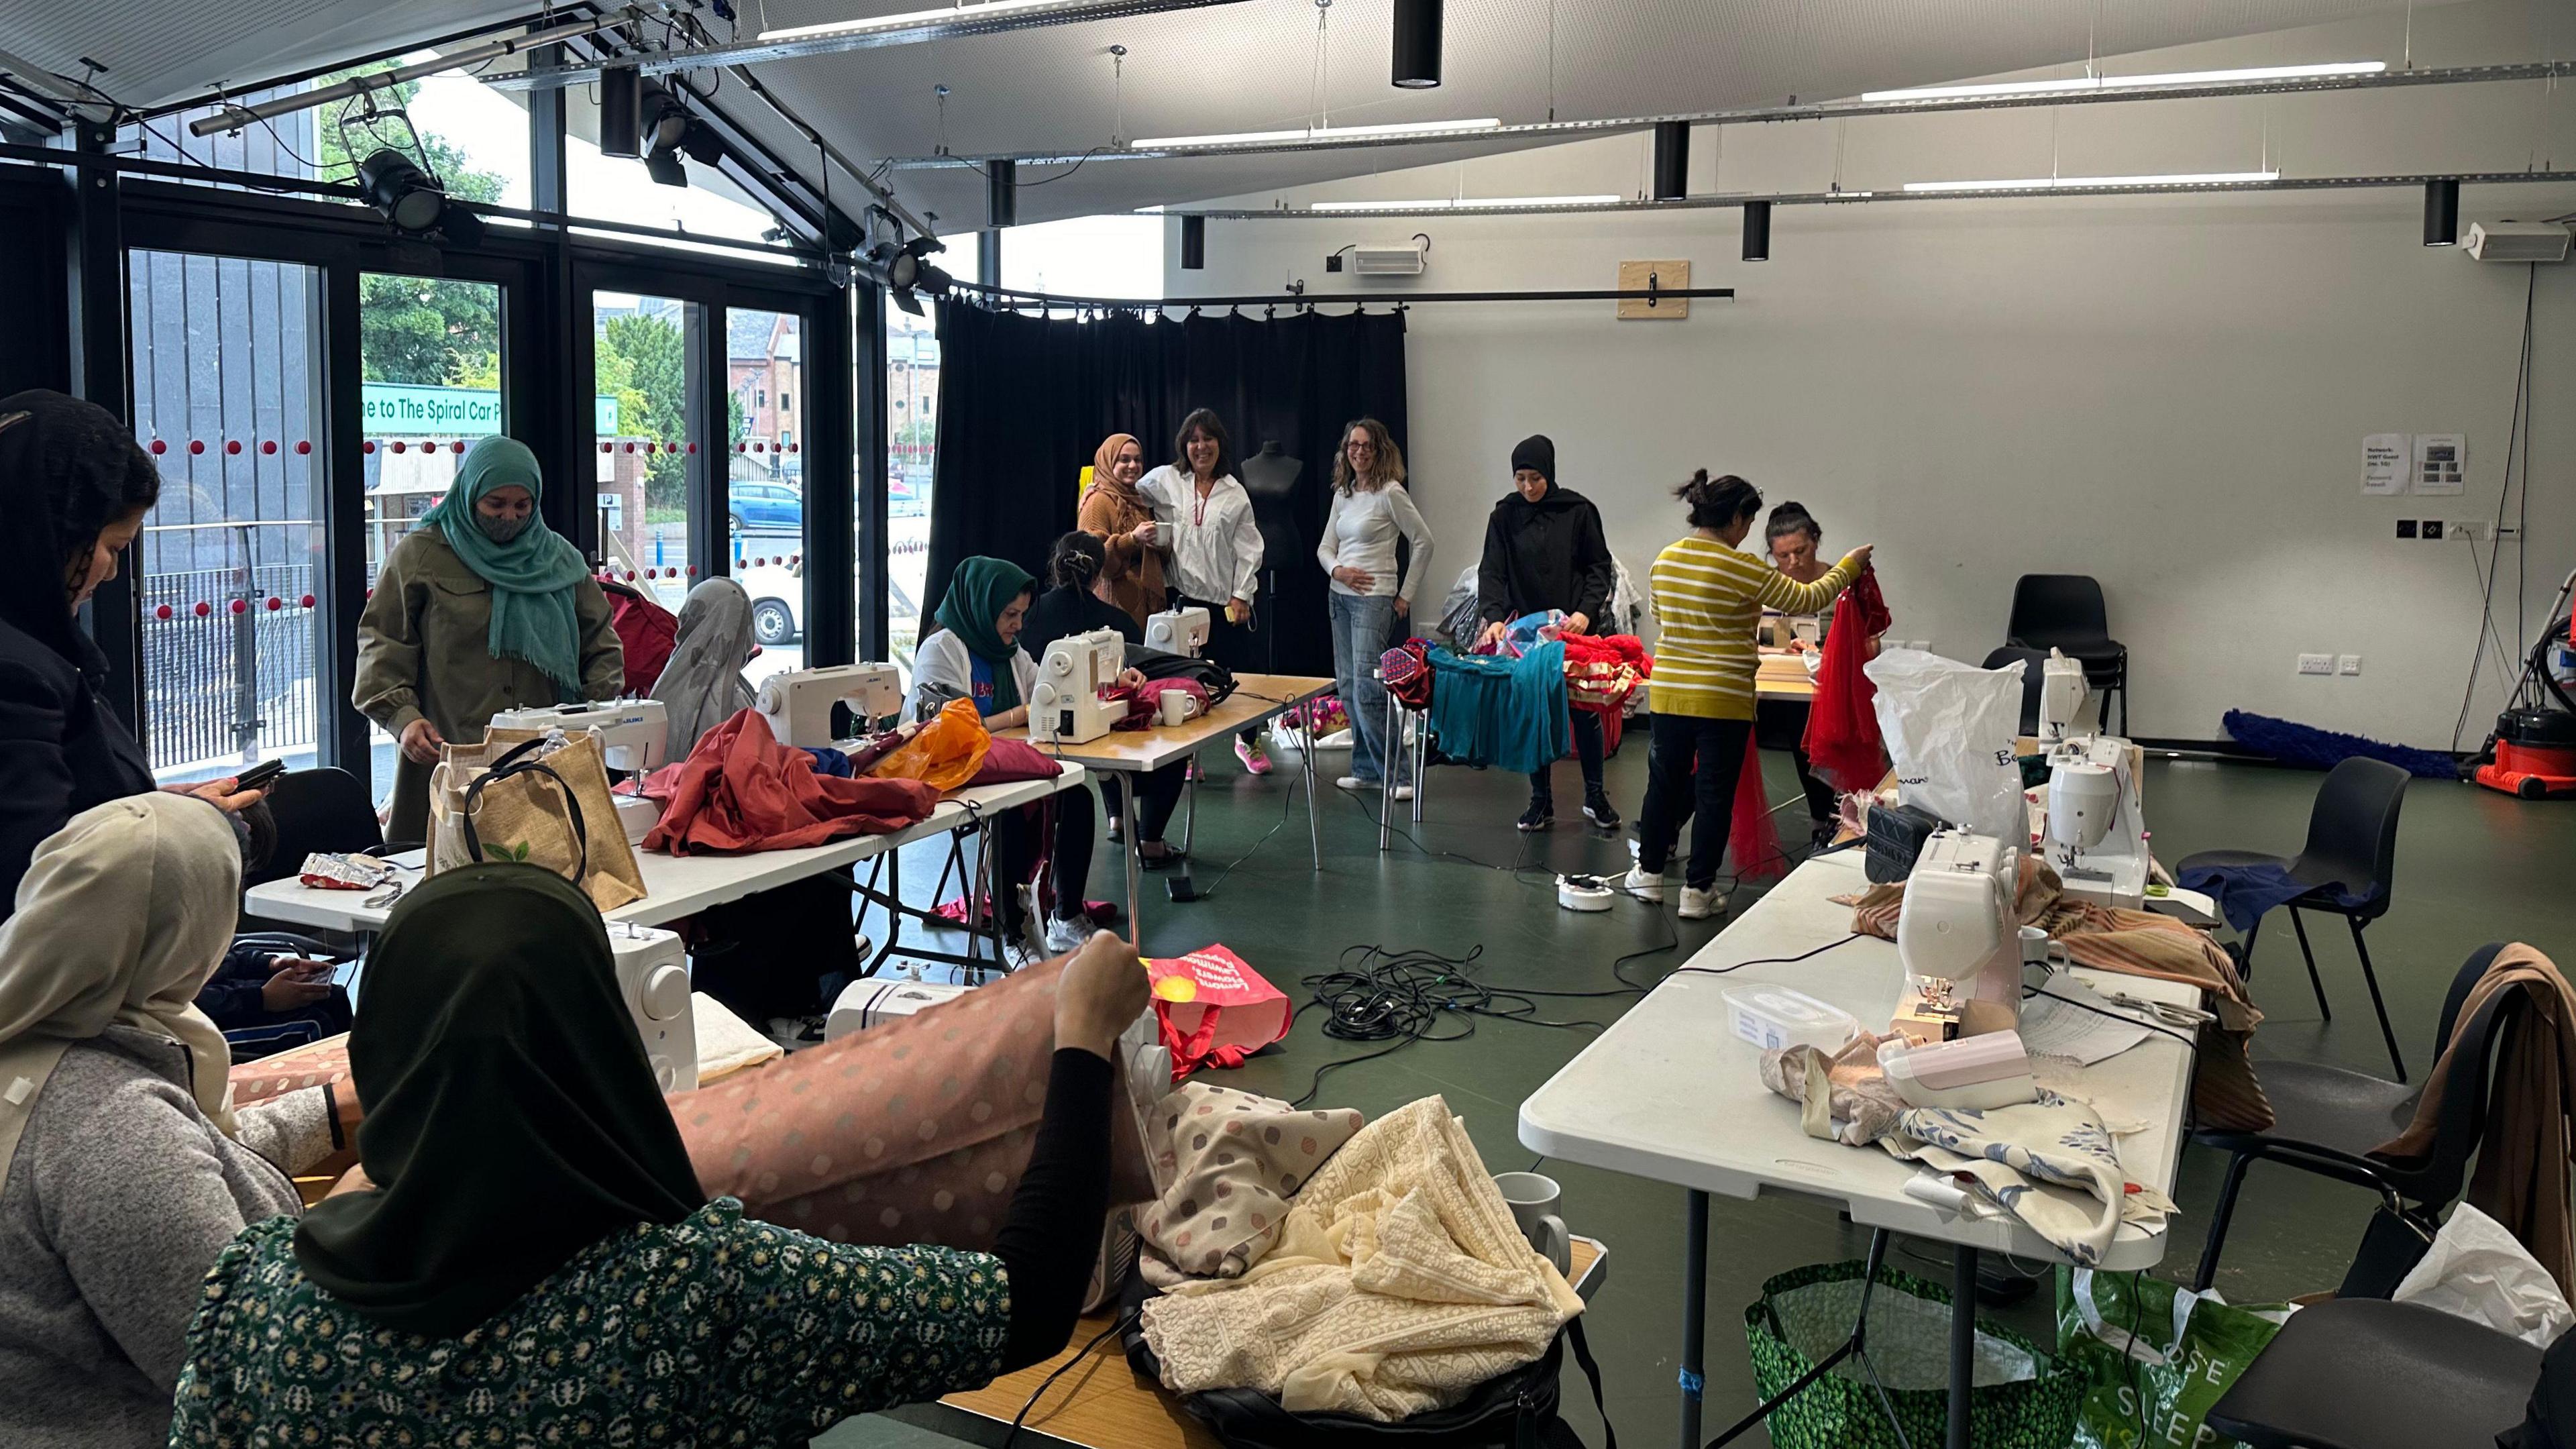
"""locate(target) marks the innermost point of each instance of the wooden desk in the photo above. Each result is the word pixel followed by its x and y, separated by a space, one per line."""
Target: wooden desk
pixel 1104 1404
pixel 1256 699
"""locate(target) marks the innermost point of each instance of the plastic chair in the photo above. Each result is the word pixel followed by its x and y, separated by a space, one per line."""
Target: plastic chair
pixel 2034 678
pixel 2361 1373
pixel 2064 612
pixel 2327 1119
pixel 2352 844
pixel 323 809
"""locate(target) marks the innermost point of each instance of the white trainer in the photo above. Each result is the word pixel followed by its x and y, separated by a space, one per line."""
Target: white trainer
pixel 1404 792
pixel 1643 886
pixel 1353 783
pixel 1699 905
pixel 1063 935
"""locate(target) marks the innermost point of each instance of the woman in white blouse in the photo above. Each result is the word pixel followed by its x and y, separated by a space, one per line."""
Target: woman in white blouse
pixel 1370 511
pixel 1211 547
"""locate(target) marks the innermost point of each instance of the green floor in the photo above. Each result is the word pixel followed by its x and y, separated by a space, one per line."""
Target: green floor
pixel 2472 866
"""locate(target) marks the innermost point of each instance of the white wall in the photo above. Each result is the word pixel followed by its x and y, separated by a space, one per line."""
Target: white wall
pixel 2168 393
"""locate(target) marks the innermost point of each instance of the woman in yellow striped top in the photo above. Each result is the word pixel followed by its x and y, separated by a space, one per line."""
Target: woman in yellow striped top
pixel 1707 597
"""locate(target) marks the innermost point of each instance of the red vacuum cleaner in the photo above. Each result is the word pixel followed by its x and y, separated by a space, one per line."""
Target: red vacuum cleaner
pixel 2532 754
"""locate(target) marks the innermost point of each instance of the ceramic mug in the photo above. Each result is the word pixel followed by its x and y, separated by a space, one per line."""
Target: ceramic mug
pixel 1534 1200
pixel 1176 707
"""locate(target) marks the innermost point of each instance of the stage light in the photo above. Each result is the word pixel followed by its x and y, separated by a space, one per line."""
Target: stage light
pixel 401 191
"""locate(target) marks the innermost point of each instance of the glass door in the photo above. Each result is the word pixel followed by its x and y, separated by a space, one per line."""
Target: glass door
pixel 649 438
pixel 765 480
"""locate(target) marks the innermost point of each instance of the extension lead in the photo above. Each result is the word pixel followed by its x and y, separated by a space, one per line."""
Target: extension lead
pixel 1584 893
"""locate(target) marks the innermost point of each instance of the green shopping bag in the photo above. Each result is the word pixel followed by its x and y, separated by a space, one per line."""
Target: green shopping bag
pixel 2021 1399
pixel 2153 1357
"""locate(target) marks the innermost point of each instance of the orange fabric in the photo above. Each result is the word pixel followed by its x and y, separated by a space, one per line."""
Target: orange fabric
pixel 741 790
pixel 945 754
pixel 2521 1175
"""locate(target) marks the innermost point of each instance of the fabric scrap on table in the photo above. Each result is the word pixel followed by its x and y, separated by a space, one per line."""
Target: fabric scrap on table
pixel 2225 1093
pixel 1224 1169
pixel 1399 1283
pixel 740 790
pixel 1846 1095
pixel 2039 1161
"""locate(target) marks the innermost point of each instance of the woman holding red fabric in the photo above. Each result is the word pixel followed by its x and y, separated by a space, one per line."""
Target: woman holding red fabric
pixel 1794 537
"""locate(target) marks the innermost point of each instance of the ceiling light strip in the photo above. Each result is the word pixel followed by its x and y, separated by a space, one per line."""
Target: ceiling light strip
pixel 1398 130
pixel 2103 183
pixel 995 17
pixel 1469 203
pixel 2060 87
pixel 2111 91
pixel 2096 186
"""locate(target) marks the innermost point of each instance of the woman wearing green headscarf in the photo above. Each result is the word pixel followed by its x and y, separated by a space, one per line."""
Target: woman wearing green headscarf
pixel 479 609
pixel 976 654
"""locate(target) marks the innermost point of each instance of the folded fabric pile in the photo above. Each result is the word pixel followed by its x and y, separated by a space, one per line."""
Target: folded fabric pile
pixel 740 790
pixel 2224 1090
pixel 1223 1175
pixel 1399 1282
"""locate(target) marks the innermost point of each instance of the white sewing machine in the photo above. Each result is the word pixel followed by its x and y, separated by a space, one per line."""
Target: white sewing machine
pixel 798 702
pixel 653 979
pixel 1957 937
pixel 2062 700
pixel 874 1001
pixel 1178 631
pixel 2097 828
pixel 1066 707
pixel 634 734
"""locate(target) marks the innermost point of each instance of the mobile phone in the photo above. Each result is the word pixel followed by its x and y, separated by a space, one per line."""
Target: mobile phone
pixel 258 776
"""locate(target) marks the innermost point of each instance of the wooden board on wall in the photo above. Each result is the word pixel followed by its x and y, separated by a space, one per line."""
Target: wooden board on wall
pixel 1666 275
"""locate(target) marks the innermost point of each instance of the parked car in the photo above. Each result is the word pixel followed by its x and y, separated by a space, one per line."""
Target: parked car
pixel 764 508
pixel 777 601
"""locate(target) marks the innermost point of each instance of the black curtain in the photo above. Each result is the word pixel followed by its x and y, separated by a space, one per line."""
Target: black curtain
pixel 1024 401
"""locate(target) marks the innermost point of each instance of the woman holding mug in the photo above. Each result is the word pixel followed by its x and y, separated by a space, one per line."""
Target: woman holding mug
pixel 1211 543
pixel 1370 511
pixel 1115 513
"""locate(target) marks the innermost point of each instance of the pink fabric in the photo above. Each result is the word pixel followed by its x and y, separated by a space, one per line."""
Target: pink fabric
pixel 315 1064
pixel 740 790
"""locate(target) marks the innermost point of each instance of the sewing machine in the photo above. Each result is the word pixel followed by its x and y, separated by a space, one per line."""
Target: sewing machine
pixel 1178 631
pixel 2097 829
pixel 634 734
pixel 1957 937
pixel 798 702
pixel 653 980
pixel 877 1000
pixel 1066 707
pixel 2062 697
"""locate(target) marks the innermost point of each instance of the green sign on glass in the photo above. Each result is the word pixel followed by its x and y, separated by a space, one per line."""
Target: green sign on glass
pixel 454 412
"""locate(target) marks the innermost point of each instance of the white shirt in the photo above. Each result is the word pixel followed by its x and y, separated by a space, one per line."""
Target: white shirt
pixel 1211 546
pixel 1360 533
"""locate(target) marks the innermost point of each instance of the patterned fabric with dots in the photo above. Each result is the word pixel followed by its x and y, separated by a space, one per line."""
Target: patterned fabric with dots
pixel 1225 1166
pixel 711 1330
pixel 911 1132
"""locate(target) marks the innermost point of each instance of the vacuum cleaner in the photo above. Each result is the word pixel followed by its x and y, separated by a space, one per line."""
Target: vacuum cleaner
pixel 2532 754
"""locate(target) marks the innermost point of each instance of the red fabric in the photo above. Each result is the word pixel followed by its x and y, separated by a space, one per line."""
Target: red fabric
pixel 1012 760
pixel 646 629
pixel 1842 720
pixel 740 790
pixel 1145 701
pixel 1750 834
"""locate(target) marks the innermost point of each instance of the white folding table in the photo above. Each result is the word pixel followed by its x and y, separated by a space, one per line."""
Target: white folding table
pixel 1671 1094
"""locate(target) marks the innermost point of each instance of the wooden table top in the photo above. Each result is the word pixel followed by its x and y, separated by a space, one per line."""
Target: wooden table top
pixel 1257 697
pixel 1104 1404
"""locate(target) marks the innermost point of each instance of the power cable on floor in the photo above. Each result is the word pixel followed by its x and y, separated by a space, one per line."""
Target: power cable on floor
pixel 1401 997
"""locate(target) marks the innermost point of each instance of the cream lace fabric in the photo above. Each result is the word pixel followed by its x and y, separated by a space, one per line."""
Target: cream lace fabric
pixel 1399 1282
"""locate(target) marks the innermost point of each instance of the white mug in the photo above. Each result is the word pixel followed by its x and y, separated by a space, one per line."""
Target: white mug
pixel 1534 1199
pixel 1176 707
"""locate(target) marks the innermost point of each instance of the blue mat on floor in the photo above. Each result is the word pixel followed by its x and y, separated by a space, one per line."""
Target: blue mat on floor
pixel 2296 744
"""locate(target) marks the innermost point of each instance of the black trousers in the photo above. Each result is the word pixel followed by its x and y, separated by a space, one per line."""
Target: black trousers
pixel 1158 794
pixel 1691 769
pixel 1015 835
pixel 1587 750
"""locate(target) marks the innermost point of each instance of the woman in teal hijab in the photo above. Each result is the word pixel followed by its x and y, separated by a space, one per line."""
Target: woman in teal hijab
pixel 481 608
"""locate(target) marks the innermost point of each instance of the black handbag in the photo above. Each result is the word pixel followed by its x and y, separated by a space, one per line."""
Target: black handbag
pixel 1515 1410
pixel 1207 674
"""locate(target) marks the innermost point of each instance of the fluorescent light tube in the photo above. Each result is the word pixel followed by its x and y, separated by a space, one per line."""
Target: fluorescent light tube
pixel 2248 74
pixel 1465 204
pixel 910 17
pixel 1313 133
pixel 2048 183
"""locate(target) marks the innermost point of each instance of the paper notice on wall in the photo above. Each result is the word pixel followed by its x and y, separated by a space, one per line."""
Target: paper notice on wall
pixel 2441 462
pixel 2384 458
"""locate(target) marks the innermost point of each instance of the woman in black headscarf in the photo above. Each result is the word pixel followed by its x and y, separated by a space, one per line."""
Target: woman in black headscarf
pixel 525 1185
pixel 74 486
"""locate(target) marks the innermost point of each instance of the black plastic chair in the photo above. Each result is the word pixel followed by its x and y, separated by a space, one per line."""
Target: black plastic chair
pixel 2064 612
pixel 2362 1373
pixel 322 809
pixel 2034 677
pixel 2327 1119
pixel 2351 850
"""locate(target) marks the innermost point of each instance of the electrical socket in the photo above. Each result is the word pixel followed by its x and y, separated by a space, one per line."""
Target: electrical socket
pixel 2347 664
pixel 2316 664
pixel 2469 530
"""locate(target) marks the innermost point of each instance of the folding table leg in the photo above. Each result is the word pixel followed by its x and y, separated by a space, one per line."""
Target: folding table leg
pixel 1314 823
pixel 1135 853
pixel 1963 1341
pixel 1694 1310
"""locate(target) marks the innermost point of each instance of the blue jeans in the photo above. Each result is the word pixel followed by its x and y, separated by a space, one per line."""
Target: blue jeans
pixel 1362 627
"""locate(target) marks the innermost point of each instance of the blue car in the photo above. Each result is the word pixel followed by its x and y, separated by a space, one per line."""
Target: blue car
pixel 764 508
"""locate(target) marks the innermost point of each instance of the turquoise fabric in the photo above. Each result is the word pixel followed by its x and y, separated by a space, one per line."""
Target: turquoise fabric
pixel 1507 713
pixel 532 576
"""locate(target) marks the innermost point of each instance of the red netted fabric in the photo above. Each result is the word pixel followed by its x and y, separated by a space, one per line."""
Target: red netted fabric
pixel 1842 721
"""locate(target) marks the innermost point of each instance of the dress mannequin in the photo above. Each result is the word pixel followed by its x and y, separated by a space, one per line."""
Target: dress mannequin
pixel 1270 476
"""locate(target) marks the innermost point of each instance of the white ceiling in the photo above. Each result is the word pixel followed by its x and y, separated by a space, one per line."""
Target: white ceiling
pixel 1242 66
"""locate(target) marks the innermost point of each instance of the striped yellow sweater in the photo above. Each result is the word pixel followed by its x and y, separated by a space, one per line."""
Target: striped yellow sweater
pixel 1707 597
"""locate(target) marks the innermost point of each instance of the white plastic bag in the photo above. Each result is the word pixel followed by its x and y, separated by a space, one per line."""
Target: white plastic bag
pixel 2480 1272
pixel 1952 731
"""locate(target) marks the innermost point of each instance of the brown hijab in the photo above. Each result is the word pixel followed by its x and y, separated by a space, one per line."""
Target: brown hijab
pixel 1112 510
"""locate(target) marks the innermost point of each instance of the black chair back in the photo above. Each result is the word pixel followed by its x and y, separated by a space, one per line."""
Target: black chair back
pixel 2058 609
pixel 2466 1086
pixel 323 809
pixel 2352 831
pixel 2034 677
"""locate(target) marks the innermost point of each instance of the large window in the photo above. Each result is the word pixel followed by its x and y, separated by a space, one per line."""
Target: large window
pixel 912 432
pixel 1086 256
pixel 228 397
pixel 649 439
pixel 765 480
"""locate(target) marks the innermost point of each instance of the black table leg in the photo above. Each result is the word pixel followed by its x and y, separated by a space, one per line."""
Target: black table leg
pixel 1694 1310
pixel 1963 1341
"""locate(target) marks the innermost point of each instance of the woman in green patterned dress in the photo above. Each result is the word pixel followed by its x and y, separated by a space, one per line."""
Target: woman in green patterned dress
pixel 529 1258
